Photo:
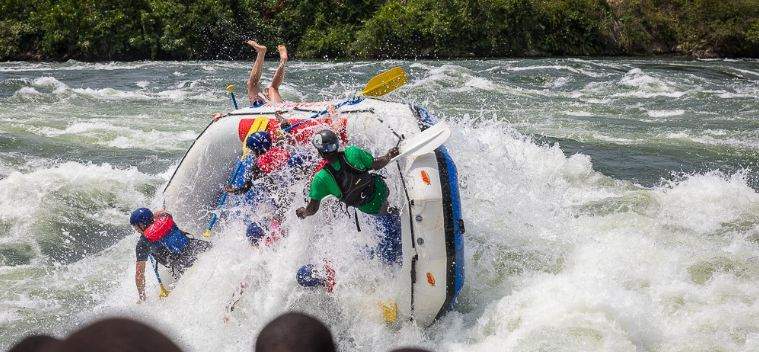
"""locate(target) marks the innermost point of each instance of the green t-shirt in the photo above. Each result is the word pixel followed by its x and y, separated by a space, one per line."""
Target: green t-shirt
pixel 323 184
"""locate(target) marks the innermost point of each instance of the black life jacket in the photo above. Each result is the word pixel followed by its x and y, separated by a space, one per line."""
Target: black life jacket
pixel 357 186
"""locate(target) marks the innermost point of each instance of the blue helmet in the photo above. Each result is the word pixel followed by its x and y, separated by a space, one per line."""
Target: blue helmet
pixel 254 233
pixel 308 276
pixel 259 142
pixel 141 216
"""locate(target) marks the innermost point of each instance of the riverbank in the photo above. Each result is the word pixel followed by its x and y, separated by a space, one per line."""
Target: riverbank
pixel 89 30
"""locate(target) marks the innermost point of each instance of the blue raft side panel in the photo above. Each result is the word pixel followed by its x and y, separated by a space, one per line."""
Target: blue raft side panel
pixel 454 220
pixel 458 230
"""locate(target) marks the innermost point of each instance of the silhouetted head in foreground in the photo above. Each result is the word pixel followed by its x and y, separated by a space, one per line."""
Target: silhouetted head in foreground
pixel 34 343
pixel 117 335
pixel 295 332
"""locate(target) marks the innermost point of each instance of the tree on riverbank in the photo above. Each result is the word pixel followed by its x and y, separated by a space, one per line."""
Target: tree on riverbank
pixel 214 29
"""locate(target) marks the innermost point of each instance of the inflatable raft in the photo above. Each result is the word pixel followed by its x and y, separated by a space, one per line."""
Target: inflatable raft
pixel 432 264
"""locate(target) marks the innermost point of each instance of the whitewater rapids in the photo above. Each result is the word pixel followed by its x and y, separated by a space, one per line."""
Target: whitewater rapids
pixel 610 205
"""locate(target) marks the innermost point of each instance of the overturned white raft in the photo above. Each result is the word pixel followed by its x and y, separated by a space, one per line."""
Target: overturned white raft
pixel 432 227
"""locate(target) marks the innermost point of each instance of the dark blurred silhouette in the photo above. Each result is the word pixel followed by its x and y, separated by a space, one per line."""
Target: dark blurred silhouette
pixel 295 332
pixel 34 343
pixel 114 335
pixel 290 332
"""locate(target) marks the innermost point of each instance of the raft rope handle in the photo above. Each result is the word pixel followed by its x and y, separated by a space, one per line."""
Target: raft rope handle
pixel 350 101
pixel 415 258
pixel 164 292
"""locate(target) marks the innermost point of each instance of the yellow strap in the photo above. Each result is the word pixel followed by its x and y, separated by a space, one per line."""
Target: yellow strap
pixel 164 292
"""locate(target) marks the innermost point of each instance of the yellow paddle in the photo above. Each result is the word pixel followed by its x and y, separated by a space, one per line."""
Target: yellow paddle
pixel 385 82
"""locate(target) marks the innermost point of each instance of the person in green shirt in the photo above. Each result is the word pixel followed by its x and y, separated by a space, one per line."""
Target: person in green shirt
pixel 346 176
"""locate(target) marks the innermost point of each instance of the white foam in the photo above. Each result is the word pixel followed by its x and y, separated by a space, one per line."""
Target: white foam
pixel 553 67
pixel 579 113
pixel 72 65
pixel 703 203
pixel 51 87
pixel 108 134
pixel 50 82
pixel 719 137
pixel 665 113
pixel 646 86
pixel 25 92
pixel 110 94
pixel 8 316
pixel 27 199
pixel 559 82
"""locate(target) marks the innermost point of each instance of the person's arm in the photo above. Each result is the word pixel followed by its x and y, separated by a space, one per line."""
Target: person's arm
pixel 310 209
pixel 139 279
pixel 252 174
pixel 244 188
pixel 385 159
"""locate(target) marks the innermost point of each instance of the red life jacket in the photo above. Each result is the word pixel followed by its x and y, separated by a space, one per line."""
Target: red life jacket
pixel 165 231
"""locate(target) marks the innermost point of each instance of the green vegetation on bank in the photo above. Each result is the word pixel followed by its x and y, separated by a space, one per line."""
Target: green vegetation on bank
pixel 214 29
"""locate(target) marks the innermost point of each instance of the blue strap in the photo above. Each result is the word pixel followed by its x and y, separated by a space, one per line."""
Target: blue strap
pixel 155 269
pixel 350 101
pixel 234 101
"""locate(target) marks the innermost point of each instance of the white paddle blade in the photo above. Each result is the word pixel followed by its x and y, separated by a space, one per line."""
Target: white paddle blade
pixel 424 142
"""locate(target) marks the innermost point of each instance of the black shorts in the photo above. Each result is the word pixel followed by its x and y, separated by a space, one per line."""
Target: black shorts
pixel 179 263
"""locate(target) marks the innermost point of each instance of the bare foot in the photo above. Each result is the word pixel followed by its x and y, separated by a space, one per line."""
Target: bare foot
pixel 282 53
pixel 253 44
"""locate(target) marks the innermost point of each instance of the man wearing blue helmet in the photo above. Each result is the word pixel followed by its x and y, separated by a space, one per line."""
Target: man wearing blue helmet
pixel 268 159
pixel 162 239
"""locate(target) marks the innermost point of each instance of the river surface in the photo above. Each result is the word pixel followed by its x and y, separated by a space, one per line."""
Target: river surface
pixel 611 204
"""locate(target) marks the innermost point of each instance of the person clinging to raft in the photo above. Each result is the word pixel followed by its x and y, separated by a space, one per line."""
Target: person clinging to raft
pixel 346 176
pixel 161 238
pixel 267 159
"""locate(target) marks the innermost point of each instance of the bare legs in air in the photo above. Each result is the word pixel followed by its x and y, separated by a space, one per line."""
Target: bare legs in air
pixel 271 95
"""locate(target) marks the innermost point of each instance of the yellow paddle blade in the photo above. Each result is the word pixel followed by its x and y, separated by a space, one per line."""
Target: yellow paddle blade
pixel 385 82
pixel 207 233
pixel 230 88
pixel 164 292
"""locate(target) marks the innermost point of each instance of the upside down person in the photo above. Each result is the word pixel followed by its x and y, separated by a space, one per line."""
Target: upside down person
pixel 256 95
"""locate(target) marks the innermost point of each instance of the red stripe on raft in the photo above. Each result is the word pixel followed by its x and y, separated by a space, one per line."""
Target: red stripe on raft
pixel 243 127
pixel 303 129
